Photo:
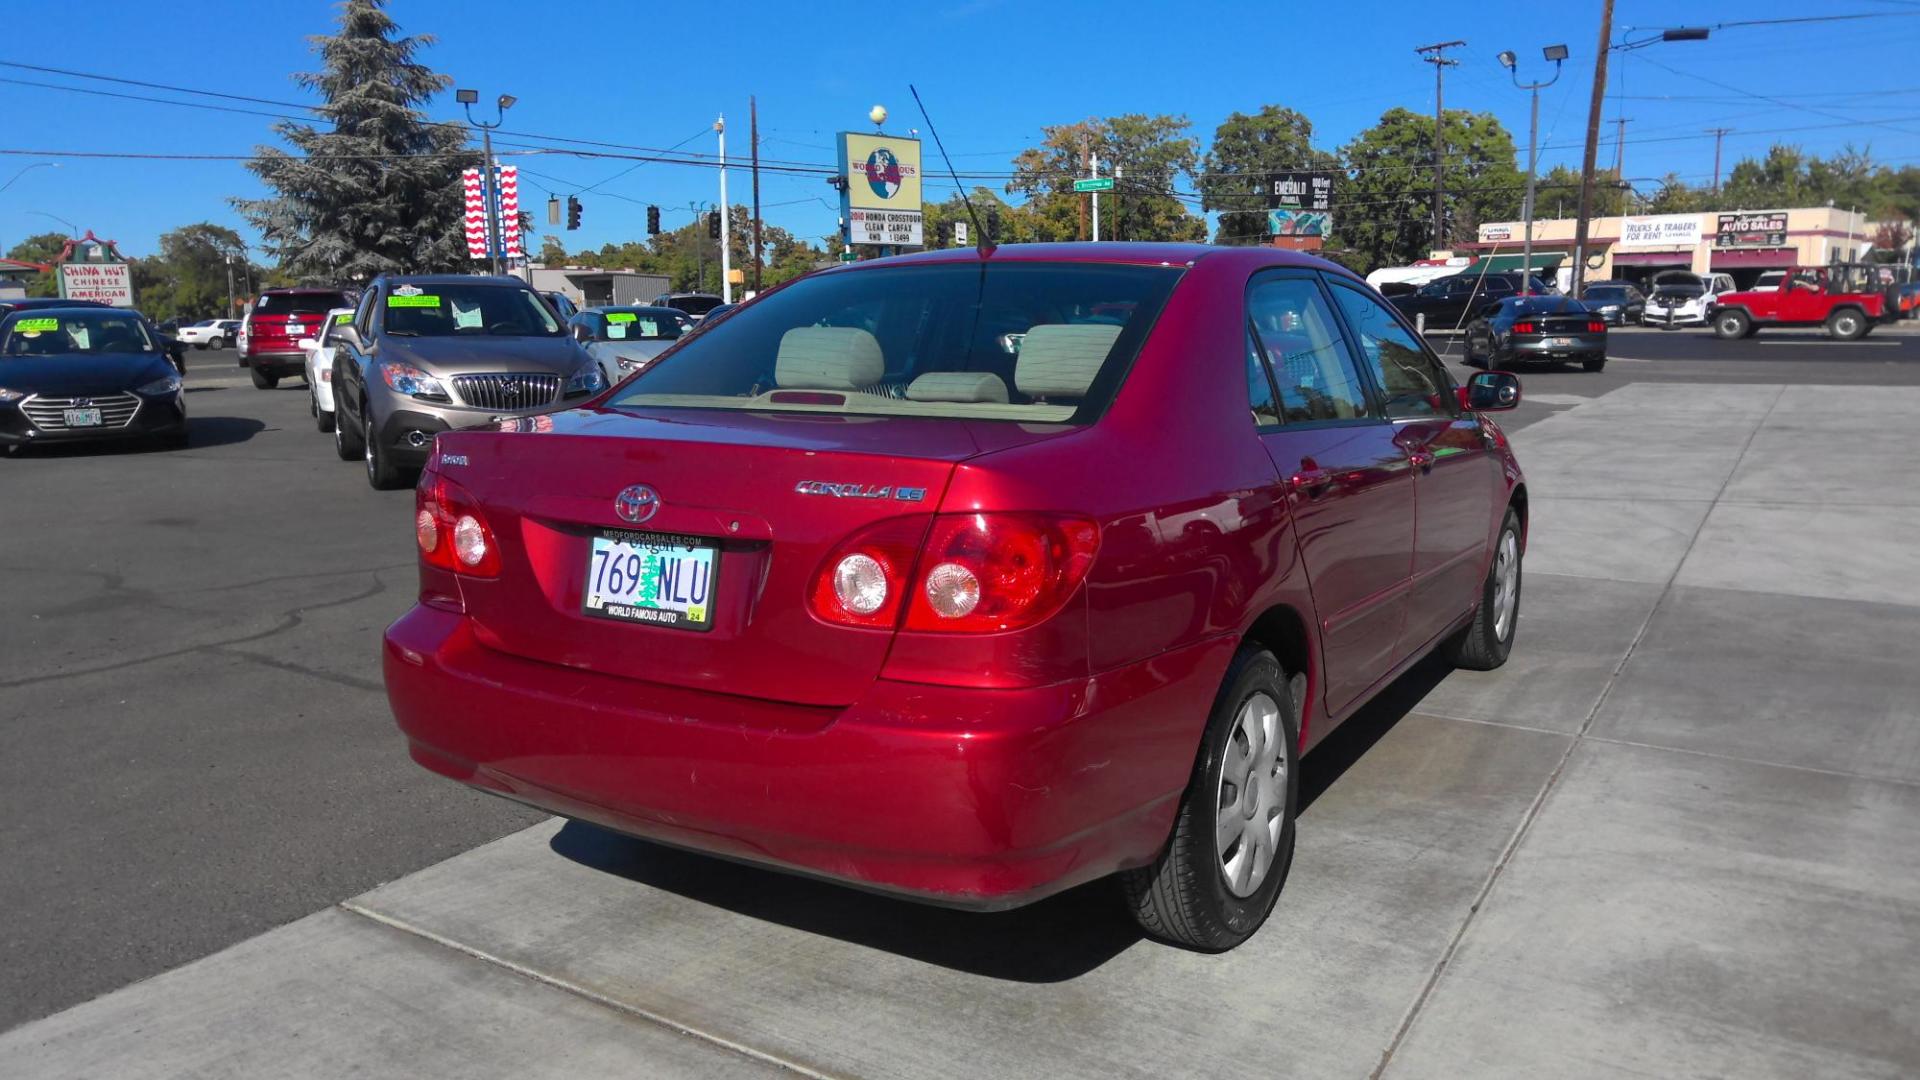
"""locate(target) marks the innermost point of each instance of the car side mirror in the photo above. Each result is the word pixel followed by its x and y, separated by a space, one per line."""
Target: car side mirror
pixel 1491 391
pixel 344 334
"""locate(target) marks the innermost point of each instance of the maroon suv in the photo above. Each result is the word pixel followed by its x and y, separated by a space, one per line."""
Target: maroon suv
pixel 270 336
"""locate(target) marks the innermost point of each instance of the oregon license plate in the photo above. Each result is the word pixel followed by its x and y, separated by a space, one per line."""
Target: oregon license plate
pixel 83 417
pixel 653 578
pixel 1559 343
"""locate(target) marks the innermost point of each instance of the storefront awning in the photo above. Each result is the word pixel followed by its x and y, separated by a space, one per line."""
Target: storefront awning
pixel 1747 258
pixel 1500 264
pixel 1683 257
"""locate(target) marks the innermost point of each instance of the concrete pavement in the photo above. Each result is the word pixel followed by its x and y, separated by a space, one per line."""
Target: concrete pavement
pixel 1672 837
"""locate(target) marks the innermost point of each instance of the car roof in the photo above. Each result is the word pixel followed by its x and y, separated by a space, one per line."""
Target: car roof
pixel 303 290
pixel 453 279
pixel 655 308
pixel 1117 253
pixel 20 302
pixel 70 307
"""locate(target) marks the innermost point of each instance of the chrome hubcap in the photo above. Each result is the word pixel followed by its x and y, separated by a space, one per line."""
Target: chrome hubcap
pixel 1506 584
pixel 1252 796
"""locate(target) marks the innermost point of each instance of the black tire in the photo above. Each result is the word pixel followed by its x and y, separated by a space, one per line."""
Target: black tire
pixel 1731 325
pixel 262 380
pixel 347 444
pixel 322 419
pixel 1185 898
pixel 216 343
pixel 1594 363
pixel 1847 324
pixel 1485 642
pixel 382 473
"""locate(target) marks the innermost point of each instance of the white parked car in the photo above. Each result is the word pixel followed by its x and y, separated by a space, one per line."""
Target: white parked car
pixel 624 340
pixel 1769 281
pixel 208 333
pixel 319 368
pixel 1683 298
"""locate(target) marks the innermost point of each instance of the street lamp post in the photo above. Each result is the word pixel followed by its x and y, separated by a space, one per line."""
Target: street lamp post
pixel 28 169
pixel 72 229
pixel 467 98
pixel 1557 54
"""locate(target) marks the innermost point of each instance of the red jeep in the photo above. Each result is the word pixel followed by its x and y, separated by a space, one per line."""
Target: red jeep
pixel 1828 296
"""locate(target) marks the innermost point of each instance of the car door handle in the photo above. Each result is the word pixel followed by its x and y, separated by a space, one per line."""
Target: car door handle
pixel 1311 481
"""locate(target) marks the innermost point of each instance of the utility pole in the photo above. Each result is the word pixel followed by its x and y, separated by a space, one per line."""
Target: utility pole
pixel 1436 55
pixel 1593 146
pixel 1718 134
pixel 229 312
pixel 1620 148
pixel 1119 215
pixel 753 128
pixel 726 260
pixel 699 250
pixel 1086 169
pixel 1096 200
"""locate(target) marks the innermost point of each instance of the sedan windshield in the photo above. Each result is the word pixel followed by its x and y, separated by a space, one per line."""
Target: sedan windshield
pixel 77 333
pixel 1012 341
pixel 450 309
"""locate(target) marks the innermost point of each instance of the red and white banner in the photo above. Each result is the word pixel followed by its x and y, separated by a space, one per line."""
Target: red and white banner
pixel 508 179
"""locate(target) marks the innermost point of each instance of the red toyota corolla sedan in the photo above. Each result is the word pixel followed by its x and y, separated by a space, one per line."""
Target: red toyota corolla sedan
pixel 971 576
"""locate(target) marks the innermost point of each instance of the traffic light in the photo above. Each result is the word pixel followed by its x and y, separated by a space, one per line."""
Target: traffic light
pixel 653 221
pixel 573 212
pixel 713 226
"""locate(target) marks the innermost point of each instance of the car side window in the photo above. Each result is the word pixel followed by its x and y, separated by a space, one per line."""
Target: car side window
pixel 1414 383
pixel 1260 394
pixel 363 319
pixel 1293 330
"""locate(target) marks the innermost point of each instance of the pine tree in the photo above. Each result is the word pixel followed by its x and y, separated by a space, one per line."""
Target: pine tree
pixel 379 192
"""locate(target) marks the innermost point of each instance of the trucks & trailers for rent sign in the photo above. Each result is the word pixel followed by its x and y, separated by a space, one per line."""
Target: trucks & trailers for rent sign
pixel 1669 231
pixel 107 283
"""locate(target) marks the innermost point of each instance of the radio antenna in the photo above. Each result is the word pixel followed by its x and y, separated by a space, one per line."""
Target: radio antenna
pixel 985 243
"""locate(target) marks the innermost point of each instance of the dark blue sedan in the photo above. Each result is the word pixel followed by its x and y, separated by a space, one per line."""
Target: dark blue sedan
pixel 75 373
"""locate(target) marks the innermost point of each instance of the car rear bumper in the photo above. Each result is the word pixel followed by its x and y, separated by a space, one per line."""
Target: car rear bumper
pixel 974 798
pixel 275 363
pixel 1582 347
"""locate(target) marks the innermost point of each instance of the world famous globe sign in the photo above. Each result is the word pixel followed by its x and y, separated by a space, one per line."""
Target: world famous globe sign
pixel 883 173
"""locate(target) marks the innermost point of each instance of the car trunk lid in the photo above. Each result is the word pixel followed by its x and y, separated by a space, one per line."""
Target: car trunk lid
pixel 756 485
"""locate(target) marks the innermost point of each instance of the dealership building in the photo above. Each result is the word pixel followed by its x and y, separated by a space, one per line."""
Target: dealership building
pixel 1743 244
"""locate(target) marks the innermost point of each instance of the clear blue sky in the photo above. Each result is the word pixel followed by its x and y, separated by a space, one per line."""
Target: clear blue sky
pixel 993 72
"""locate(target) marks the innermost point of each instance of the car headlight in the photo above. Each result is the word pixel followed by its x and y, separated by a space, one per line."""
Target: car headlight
pixel 7 395
pixel 588 380
pixel 165 384
pixel 628 363
pixel 411 381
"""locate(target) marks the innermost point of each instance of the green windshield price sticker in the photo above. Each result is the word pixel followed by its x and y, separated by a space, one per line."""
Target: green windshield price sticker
pixel 620 316
pixel 34 326
pixel 413 301
pixel 343 318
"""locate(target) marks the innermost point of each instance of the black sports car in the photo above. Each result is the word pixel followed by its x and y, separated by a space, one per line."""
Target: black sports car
pixel 77 373
pixel 1537 329
pixel 1616 304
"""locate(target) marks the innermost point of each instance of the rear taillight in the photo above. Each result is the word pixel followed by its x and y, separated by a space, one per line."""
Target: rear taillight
pixel 976 573
pixel 450 529
pixel 1523 328
pixel 988 572
pixel 864 580
pixel 1596 327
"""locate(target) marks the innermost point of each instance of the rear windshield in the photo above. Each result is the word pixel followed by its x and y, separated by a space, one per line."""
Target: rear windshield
pixel 1007 341
pixel 1549 305
pixel 298 303
pixel 76 333
pixel 1607 292
pixel 640 324
pixel 693 305
pixel 459 309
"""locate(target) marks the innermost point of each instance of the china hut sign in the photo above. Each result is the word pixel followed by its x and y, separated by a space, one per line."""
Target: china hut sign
pixel 93 269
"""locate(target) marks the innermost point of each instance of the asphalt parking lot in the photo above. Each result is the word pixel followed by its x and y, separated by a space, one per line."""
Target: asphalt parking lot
pixel 1672 837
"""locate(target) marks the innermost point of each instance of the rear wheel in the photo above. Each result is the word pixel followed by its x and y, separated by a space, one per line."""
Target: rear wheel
pixel 216 343
pixel 1218 877
pixel 1483 644
pixel 262 380
pixel 1847 324
pixel 346 444
pixel 1730 325
pixel 1594 363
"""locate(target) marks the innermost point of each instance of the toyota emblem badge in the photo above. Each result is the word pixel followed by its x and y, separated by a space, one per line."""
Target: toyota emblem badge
pixel 637 503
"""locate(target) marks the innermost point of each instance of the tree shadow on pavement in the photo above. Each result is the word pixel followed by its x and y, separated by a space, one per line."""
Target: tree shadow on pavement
pixel 1060 938
pixel 222 430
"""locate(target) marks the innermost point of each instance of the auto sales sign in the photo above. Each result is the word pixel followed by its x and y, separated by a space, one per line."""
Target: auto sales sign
pixel 107 283
pixel 880 189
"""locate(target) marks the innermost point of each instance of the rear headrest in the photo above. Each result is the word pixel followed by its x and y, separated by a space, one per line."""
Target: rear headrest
pixel 970 386
pixel 828 358
pixel 1060 360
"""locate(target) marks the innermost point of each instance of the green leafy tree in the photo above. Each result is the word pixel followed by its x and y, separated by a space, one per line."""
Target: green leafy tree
pixel 187 279
pixel 1247 152
pixel 1384 215
pixel 380 191
pixel 1151 156
pixel 1557 193
pixel 40 248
